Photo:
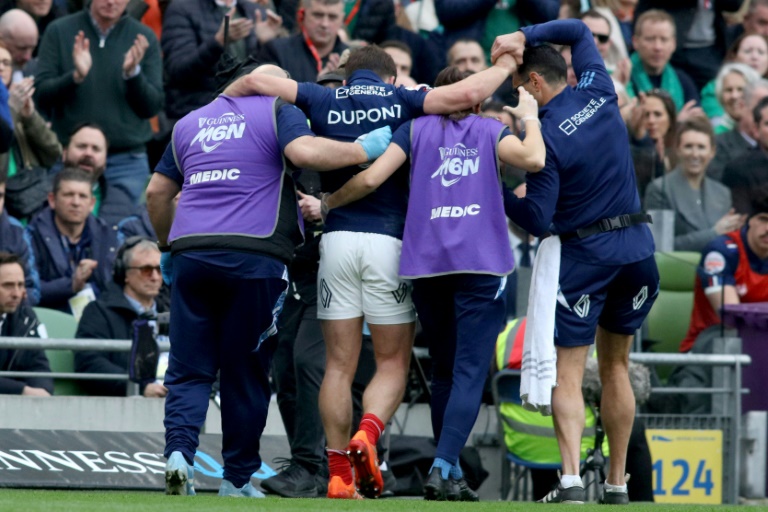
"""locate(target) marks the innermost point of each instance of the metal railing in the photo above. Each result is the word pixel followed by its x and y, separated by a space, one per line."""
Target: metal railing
pixel 728 416
pixel 97 345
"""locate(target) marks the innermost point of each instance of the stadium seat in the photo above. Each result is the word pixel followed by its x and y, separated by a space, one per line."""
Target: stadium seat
pixel 60 325
pixel 669 318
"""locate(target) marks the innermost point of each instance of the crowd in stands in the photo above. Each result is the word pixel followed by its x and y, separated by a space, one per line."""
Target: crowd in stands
pixel 90 91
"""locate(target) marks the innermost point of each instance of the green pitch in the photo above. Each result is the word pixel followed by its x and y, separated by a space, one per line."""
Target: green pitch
pixel 13 500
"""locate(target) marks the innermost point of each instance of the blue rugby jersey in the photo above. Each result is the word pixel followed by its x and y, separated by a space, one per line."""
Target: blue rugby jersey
pixel 364 104
pixel 589 174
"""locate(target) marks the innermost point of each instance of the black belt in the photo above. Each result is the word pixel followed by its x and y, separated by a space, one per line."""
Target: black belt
pixel 609 224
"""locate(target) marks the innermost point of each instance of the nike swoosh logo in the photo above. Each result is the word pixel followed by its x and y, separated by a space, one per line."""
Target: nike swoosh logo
pixel 448 183
pixel 208 148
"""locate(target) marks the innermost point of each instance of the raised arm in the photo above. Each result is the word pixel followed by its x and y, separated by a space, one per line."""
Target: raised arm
pixel 530 153
pixel 471 91
pixel 259 83
pixel 369 180
pixel 573 33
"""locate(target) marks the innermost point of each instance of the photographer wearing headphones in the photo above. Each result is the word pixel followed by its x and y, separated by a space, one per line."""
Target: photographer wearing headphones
pixel 137 278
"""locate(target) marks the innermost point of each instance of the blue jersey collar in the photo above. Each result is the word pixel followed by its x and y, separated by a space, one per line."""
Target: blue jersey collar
pixel 364 75
pixel 556 102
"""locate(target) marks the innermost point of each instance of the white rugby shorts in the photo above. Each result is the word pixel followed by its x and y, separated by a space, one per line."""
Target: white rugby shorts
pixel 358 276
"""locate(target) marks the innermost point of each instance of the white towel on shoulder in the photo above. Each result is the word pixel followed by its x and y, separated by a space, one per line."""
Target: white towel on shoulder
pixel 539 366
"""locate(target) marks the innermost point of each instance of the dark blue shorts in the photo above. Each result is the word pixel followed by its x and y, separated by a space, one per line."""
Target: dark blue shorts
pixel 617 298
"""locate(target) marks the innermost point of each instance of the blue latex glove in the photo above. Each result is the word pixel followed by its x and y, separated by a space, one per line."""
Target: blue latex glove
pixel 166 267
pixel 375 143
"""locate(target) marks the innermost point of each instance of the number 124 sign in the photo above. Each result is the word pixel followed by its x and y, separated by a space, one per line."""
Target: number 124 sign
pixel 687 465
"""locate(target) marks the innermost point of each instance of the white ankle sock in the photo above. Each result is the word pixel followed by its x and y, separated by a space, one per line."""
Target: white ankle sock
pixel 570 481
pixel 614 488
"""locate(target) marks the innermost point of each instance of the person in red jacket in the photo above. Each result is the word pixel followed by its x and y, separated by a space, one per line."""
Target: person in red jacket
pixel 733 270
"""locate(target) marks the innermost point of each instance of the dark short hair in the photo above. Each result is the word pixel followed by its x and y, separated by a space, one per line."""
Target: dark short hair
pixel 592 13
pixel 465 40
pixel 371 58
pixel 328 78
pixel 6 258
pixel 757 112
pixel 546 61
pixel 92 125
pixel 71 174
pixel 494 105
pixel 391 43
pixel 308 3
pixel 760 200
pixel 229 69
pixel 448 76
pixel 696 124
pixel 733 50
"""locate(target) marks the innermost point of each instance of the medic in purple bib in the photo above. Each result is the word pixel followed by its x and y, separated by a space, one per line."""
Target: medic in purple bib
pixel 226 246
pixel 456 250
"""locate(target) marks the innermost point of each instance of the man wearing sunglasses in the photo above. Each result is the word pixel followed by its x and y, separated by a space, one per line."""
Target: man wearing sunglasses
pixel 137 281
pixel 601 31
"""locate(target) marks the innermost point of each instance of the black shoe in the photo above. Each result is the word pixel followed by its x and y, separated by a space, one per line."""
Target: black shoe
pixel 439 489
pixel 295 481
pixel 575 495
pixel 390 483
pixel 614 498
pixel 464 492
pixel 321 483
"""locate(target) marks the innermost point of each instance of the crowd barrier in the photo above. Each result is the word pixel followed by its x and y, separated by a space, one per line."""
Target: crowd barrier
pixel 726 415
pixel 98 345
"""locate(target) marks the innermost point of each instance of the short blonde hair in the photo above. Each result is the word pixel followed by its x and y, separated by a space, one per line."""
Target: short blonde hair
pixel 654 16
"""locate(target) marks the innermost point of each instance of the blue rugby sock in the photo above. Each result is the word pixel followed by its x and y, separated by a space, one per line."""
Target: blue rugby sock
pixel 444 466
pixel 456 472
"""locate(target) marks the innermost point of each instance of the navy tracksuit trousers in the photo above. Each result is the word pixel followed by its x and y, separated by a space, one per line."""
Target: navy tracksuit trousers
pixel 461 316
pixel 217 318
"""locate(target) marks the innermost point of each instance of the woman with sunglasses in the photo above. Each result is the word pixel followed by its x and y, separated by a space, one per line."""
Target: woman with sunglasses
pixel 702 206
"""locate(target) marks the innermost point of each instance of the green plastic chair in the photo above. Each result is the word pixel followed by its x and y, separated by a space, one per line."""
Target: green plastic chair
pixel 60 325
pixel 670 316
